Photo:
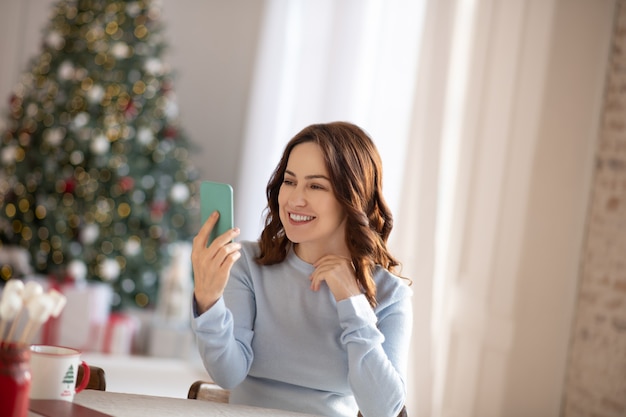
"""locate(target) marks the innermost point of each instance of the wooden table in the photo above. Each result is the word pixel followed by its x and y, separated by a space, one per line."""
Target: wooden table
pixel 136 405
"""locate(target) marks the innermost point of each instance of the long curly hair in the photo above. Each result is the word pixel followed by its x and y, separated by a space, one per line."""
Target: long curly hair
pixel 355 169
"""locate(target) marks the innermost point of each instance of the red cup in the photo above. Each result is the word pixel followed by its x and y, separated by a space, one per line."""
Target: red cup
pixel 14 379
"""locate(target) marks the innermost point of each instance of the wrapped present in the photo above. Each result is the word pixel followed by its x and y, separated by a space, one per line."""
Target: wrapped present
pixel 83 322
pixel 120 333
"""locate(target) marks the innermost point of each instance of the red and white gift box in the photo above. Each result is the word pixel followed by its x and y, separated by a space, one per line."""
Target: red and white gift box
pixel 119 334
pixel 84 318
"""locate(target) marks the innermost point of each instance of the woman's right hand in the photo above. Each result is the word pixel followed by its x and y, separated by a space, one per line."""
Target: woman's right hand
pixel 212 264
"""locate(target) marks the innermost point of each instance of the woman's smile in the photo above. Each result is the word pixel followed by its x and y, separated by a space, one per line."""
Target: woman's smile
pixel 300 218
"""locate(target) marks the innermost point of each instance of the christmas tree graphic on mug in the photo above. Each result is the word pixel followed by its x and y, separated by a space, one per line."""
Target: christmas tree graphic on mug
pixel 68 380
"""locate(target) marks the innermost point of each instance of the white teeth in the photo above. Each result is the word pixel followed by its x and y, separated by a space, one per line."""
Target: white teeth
pixel 300 218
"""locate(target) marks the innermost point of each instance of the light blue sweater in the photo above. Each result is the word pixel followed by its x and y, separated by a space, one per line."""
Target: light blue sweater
pixel 277 344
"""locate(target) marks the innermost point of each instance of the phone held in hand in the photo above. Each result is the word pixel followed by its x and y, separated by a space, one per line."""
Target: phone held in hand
pixel 216 196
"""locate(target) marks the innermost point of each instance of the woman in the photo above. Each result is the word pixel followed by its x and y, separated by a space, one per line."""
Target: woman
pixel 311 317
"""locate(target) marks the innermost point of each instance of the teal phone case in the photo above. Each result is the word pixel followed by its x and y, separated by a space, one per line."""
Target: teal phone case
pixel 217 196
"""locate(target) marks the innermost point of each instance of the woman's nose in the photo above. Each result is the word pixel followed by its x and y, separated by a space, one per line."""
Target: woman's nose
pixel 297 197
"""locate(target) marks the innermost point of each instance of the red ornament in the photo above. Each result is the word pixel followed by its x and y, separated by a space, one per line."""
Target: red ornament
pixel 170 132
pixel 157 209
pixel 126 183
pixel 70 185
pixel 130 112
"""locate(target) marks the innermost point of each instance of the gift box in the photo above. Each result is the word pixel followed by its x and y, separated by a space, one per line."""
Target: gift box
pixel 82 324
pixel 119 334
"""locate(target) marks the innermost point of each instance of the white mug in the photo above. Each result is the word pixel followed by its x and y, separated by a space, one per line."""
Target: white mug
pixel 54 370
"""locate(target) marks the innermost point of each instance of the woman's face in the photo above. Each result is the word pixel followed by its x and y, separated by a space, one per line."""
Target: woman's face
pixel 309 211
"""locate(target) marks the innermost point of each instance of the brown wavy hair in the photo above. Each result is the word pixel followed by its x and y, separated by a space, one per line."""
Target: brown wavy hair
pixel 355 169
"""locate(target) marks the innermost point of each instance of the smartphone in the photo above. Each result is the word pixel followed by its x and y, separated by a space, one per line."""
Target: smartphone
pixel 216 196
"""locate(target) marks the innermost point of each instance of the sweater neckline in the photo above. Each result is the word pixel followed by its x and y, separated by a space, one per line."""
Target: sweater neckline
pixel 297 262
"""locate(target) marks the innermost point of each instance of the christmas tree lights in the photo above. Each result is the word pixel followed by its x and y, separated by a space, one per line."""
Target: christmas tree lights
pixel 96 181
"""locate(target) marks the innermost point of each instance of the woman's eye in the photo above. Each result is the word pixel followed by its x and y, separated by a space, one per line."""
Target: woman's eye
pixel 288 182
pixel 317 187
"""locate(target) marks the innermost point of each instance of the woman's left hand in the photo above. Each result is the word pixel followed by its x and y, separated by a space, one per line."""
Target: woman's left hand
pixel 338 273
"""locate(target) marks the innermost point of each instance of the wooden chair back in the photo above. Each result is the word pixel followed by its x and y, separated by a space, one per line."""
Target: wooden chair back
pixel 97 378
pixel 208 391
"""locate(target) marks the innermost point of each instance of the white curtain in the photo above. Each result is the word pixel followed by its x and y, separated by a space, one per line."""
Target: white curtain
pixel 358 61
pixel 326 60
pixel 452 93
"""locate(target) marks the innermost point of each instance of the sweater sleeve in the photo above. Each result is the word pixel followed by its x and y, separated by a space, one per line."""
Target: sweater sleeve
pixel 377 346
pixel 224 335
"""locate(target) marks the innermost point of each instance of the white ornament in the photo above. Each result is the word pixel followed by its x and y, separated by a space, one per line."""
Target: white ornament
pixel 147 181
pixel 171 109
pixel 153 66
pixel 179 192
pixel 109 270
pixel 100 145
pixel 132 247
pixel 76 157
pixel 89 234
pixel 8 155
pixel 77 270
pixel 133 9
pixel 145 136
pixel 80 120
pixel 54 135
pixel 95 94
pixel 32 109
pixel 128 285
pixel 66 70
pixel 120 50
pixel 55 40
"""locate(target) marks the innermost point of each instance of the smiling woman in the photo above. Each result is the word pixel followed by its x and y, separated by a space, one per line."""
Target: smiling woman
pixel 310 318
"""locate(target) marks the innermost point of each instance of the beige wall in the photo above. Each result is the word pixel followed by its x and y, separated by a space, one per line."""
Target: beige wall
pixel 596 378
pixel 557 206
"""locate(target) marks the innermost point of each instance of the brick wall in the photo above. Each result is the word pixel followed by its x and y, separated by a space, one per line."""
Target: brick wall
pixel 596 377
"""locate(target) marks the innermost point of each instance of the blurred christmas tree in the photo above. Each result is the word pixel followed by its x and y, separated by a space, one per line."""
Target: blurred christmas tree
pixel 95 180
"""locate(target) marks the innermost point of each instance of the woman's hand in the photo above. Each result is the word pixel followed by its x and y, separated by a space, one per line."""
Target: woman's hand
pixel 212 264
pixel 338 273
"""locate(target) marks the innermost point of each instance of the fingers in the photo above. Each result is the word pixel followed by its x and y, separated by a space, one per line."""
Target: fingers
pixel 212 268
pixel 338 273
pixel 226 255
pixel 201 239
pixel 224 239
pixel 212 264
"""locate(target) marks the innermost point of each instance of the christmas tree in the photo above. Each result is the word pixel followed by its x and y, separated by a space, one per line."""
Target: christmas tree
pixel 96 181
pixel 68 378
